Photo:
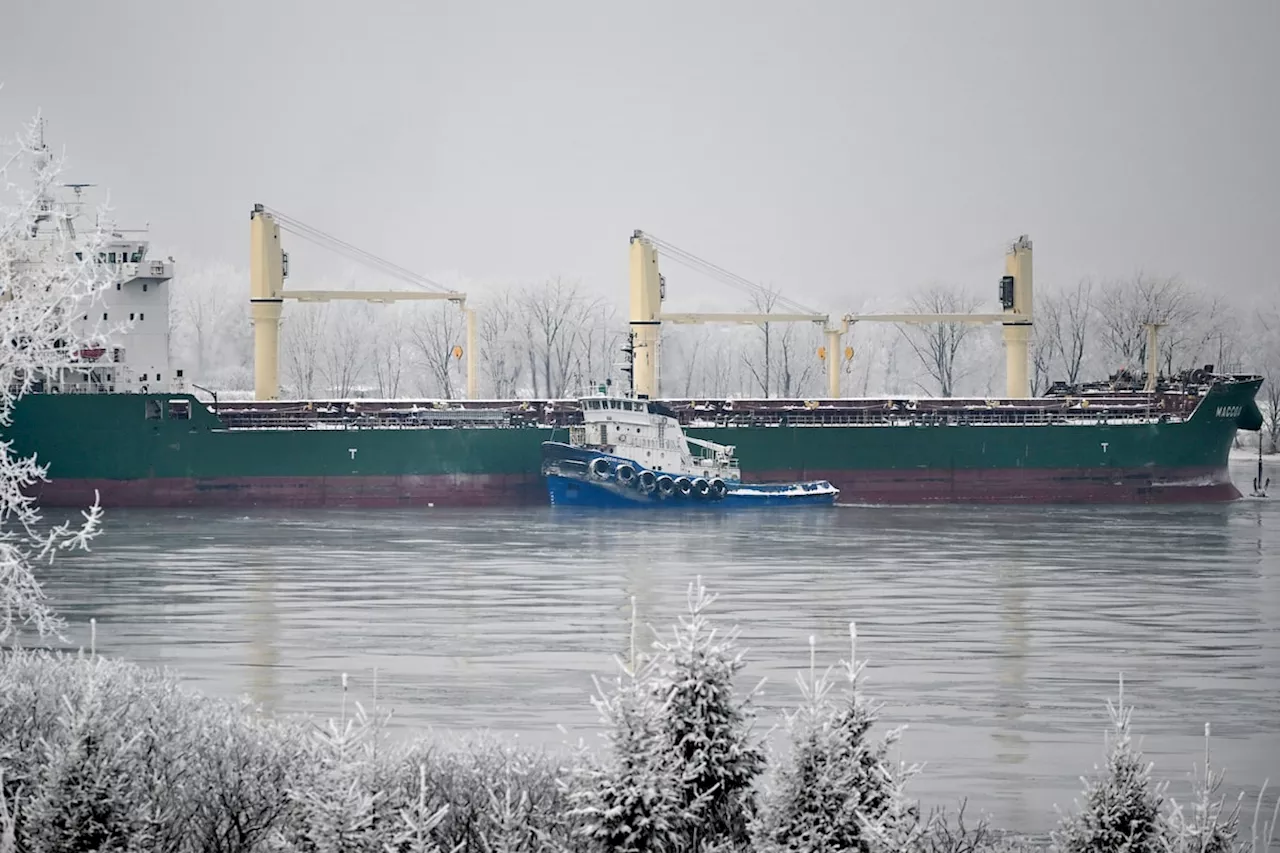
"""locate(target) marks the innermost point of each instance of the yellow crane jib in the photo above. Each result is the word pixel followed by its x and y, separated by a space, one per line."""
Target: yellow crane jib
pixel 269 267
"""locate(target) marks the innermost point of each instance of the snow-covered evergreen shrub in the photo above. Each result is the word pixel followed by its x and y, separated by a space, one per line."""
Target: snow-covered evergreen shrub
pixel 95 751
pixel 1261 831
pixel 632 801
pixel 101 754
pixel 1209 828
pixel 337 803
pixel 708 725
pixel 499 797
pixel 356 792
pixel 948 832
pixel 1121 810
pixel 682 761
pixel 838 789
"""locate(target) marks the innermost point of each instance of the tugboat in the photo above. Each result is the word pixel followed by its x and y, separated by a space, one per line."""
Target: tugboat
pixel 632 452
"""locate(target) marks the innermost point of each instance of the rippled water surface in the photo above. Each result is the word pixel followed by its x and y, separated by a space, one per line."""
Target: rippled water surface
pixel 995 633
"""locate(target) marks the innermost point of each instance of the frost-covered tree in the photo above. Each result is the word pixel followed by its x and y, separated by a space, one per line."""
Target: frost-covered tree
pixel 48 275
pixel 1209 827
pixel 1267 358
pixel 940 346
pixel 1121 809
pixel 838 789
pixel 435 330
pixel 631 801
pixel 708 724
pixel 212 332
pixel 498 318
pixel 301 338
pixel 682 761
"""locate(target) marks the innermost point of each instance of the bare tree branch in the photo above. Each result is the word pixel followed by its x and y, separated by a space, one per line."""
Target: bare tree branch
pixel 434 331
pixel 938 345
pixel 497 327
pixel 301 336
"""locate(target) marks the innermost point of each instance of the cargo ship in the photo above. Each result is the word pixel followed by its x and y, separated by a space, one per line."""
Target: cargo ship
pixel 119 420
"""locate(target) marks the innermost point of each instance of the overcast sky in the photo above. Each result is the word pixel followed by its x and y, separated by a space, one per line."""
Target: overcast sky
pixel 829 148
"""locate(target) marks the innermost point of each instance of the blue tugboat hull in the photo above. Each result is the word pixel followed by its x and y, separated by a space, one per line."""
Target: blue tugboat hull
pixel 571 482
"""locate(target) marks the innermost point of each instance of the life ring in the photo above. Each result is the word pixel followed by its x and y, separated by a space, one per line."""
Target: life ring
pixel 718 489
pixel 600 467
pixel 648 480
pixel 625 474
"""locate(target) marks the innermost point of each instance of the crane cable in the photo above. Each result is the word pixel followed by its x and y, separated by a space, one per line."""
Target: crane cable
pixel 724 276
pixel 328 241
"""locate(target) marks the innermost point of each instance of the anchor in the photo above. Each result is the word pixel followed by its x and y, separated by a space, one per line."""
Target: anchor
pixel 1259 485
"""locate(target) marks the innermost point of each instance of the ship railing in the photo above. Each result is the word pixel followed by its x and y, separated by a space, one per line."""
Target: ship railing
pixel 665 444
pixel 341 420
pixel 890 417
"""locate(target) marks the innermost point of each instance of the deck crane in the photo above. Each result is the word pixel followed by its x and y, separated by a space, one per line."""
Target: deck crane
pixel 269 266
pixel 648 289
pixel 1015 299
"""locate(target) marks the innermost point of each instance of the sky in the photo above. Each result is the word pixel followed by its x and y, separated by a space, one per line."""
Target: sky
pixel 840 151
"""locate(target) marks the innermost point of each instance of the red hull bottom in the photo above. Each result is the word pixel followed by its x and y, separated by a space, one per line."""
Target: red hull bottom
pixel 1016 485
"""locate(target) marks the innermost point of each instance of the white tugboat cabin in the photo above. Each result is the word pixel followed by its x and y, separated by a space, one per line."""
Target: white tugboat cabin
pixel 648 433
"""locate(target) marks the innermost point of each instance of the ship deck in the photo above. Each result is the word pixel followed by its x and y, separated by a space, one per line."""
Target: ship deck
pixel 1092 409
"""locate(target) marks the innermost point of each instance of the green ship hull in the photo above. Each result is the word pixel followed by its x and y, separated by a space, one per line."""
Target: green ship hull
pixel 172 450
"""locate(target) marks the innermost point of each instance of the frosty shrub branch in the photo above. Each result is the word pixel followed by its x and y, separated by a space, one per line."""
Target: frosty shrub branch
pixel 49 275
pixel 97 754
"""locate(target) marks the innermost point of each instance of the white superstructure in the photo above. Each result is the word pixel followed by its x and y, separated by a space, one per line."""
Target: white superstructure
pixel 125 329
pixel 130 319
pixel 647 433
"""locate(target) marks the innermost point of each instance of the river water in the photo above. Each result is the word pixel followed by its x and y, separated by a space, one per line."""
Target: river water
pixel 995 633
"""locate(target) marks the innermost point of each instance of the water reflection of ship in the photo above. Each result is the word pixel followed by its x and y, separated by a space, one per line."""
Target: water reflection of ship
pixel 264 641
pixel 1011 681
